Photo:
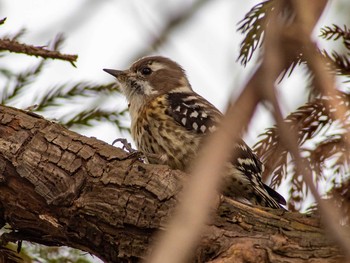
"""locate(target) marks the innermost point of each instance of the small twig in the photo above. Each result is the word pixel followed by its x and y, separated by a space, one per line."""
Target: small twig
pixel 16 47
pixel 2 21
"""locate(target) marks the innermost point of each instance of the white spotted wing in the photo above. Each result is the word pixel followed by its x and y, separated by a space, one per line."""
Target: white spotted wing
pixel 193 112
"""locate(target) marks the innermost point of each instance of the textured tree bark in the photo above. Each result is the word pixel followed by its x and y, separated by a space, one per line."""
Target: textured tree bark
pixel 60 188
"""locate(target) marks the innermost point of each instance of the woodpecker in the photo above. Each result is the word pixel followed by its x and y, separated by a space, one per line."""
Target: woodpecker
pixel 169 122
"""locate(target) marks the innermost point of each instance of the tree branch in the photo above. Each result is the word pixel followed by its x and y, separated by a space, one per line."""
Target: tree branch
pixel 16 47
pixel 60 188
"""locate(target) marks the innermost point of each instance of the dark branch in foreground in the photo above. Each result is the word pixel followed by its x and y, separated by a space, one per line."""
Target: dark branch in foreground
pixel 60 188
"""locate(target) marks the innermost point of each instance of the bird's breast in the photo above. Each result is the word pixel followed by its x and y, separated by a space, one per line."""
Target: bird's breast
pixel 157 133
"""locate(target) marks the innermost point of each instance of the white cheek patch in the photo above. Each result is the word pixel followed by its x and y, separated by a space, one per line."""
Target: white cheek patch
pixel 147 89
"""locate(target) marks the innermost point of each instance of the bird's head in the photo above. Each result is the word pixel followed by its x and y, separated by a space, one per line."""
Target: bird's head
pixel 149 77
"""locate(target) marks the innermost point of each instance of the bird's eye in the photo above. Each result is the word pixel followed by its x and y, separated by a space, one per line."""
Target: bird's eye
pixel 146 71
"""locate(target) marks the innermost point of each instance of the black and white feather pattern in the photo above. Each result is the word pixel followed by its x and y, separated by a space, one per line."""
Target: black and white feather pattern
pixel 193 112
pixel 197 115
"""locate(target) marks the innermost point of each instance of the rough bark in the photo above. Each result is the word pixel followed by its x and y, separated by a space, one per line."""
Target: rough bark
pixel 60 188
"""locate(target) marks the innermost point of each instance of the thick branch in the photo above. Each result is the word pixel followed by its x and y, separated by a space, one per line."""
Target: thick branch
pixel 60 188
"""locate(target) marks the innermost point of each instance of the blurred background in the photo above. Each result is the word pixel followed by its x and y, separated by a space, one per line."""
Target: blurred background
pixel 200 35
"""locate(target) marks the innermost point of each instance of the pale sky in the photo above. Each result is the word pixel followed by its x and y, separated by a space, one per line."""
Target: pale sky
pixel 107 34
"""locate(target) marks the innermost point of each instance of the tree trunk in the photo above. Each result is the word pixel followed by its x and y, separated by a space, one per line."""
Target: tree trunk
pixel 60 188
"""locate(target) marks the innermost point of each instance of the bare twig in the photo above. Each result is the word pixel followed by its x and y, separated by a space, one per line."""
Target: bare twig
pixel 16 47
pixel 2 21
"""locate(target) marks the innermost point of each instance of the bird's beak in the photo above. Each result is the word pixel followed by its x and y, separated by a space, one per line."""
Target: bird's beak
pixel 113 72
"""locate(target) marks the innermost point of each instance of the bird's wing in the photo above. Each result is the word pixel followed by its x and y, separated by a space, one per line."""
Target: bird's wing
pixel 193 112
pixel 196 114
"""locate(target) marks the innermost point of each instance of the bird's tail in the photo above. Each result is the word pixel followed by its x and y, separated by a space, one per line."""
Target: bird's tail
pixel 268 197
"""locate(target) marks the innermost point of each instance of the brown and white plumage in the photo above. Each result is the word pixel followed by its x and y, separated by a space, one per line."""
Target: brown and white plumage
pixel 170 120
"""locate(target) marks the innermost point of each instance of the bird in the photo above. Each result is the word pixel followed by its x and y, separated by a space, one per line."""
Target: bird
pixel 170 121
